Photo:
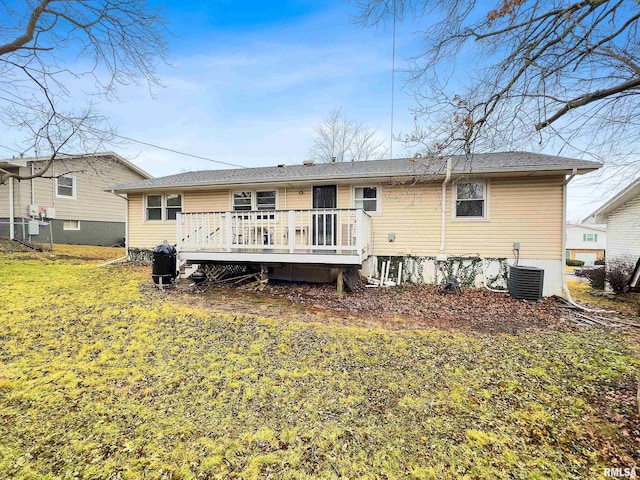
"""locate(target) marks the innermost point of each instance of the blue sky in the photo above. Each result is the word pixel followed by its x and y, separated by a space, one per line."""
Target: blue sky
pixel 247 81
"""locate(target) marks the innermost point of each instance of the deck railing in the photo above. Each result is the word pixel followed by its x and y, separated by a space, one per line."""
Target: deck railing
pixel 330 231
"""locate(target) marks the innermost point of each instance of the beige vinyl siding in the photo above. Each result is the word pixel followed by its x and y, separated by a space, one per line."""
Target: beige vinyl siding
pixel 146 234
pixel 344 196
pixel 92 202
pixel 528 211
pixel 623 231
pixel 4 195
pixel 206 201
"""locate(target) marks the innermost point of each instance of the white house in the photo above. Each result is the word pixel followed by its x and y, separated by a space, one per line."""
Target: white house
pixel 622 216
pixel 586 242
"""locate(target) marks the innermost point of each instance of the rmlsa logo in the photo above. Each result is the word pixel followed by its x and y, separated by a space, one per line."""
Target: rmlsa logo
pixel 620 472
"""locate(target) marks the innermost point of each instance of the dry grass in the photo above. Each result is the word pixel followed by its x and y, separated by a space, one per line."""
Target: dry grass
pixel 581 292
pixel 98 380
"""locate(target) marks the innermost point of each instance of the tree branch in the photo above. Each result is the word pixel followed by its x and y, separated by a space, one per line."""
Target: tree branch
pixel 589 98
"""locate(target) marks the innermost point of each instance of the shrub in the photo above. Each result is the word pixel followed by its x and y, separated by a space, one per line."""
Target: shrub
pixel 599 262
pixel 596 277
pixel 574 263
pixel 619 272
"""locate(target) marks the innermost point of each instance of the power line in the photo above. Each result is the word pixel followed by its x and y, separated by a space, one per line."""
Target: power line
pixel 159 147
pixel 393 77
pixel 11 149
pixel 167 149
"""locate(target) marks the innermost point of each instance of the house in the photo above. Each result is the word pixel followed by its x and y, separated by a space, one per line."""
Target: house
pixel 622 216
pixel 586 242
pixel 68 204
pixel 296 219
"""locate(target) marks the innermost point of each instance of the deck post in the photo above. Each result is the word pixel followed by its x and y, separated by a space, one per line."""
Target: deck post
pixel 359 232
pixel 229 236
pixel 292 231
pixel 179 221
pixel 340 281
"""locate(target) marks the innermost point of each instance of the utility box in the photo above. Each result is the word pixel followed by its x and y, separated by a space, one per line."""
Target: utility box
pixel 33 228
pixel 34 210
pixel 50 212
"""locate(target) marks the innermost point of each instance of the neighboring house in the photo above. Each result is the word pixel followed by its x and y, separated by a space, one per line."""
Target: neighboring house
pixel 622 216
pixel 292 218
pixel 586 242
pixel 68 203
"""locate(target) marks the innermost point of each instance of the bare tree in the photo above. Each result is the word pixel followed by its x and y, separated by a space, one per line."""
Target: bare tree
pixel 54 51
pixel 526 73
pixel 346 140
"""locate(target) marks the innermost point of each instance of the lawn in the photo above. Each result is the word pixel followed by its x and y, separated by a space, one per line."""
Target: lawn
pixel 100 377
pixel 625 303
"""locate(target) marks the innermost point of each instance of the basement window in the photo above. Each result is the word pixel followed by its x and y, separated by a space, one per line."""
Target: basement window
pixel 71 225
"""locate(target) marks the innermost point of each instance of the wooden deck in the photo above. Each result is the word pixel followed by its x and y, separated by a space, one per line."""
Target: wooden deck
pixel 315 236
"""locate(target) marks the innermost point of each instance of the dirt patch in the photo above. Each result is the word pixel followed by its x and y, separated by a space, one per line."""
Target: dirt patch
pixel 399 308
pixel 7 246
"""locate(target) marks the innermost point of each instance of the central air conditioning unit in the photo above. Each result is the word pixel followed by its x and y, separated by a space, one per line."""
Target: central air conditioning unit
pixel 526 283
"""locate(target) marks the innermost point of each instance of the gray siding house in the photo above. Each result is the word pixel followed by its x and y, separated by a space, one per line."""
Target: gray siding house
pixel 71 203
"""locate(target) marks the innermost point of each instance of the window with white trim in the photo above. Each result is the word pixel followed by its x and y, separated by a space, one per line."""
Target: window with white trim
pixel 470 201
pixel 163 207
pixel 173 205
pixel 154 207
pixel 266 200
pixel 71 225
pixel 66 186
pixel 366 198
pixel 589 237
pixel 242 201
pixel 254 200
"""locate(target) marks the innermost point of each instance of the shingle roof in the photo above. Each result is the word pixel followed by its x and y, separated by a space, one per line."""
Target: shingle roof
pixel 479 164
pixel 22 161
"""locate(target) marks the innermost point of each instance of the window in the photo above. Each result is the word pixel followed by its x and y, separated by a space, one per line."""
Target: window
pixel 252 200
pixel 71 225
pixel 589 237
pixel 66 187
pixel 154 207
pixel 366 198
pixel 173 206
pixel 266 200
pixel 163 207
pixel 470 200
pixel 242 201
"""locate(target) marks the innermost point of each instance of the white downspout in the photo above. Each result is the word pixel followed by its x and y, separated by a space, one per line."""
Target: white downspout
pixel 33 183
pixel 565 288
pixel 12 231
pixel 443 217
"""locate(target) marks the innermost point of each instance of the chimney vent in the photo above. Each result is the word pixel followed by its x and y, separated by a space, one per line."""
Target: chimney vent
pixel 333 159
pixel 307 163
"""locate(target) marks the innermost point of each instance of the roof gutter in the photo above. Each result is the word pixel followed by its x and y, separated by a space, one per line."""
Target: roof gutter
pixel 378 176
